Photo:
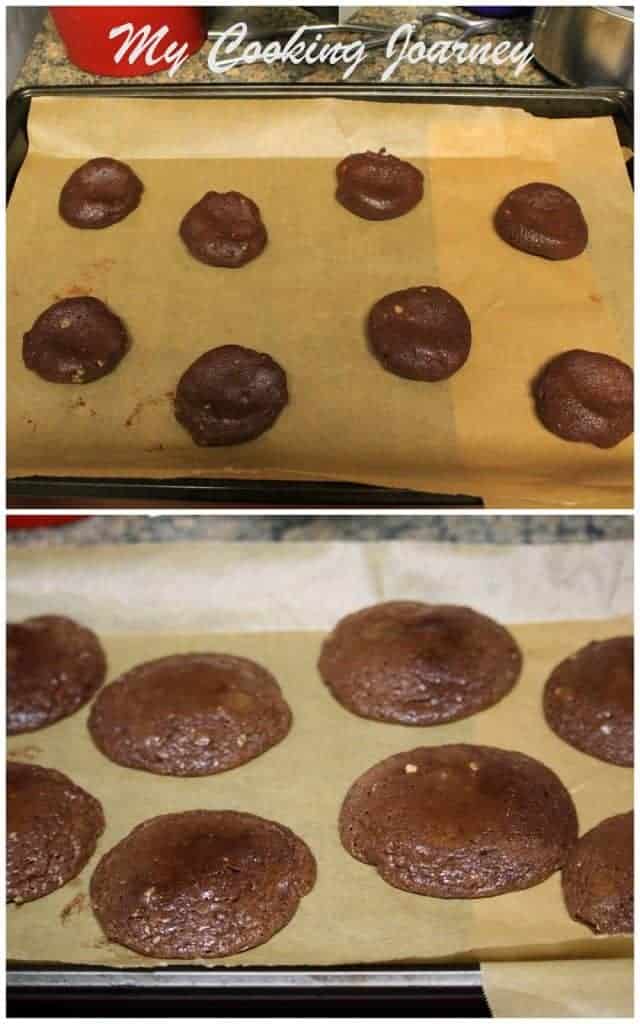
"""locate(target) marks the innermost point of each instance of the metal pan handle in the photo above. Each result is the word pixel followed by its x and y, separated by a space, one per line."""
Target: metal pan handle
pixel 471 26
pixel 266 34
pixel 381 33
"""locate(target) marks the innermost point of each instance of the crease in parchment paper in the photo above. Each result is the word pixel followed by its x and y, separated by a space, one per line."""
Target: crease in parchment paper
pixel 306 298
pixel 351 916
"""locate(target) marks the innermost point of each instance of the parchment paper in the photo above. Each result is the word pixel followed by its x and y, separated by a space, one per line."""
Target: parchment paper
pixel 549 989
pixel 305 299
pixel 141 600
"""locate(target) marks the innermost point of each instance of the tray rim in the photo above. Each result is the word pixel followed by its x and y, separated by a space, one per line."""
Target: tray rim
pixel 158 978
pixel 206 90
pixel 221 492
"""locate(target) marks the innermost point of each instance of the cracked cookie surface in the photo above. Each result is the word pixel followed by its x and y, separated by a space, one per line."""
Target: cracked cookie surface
pixel 52 829
pixel 190 714
pixel 54 666
pixel 459 821
pixel 419 664
pixel 201 884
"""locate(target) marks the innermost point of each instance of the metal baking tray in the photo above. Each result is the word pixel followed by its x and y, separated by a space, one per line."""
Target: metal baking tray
pixel 43 491
pixel 371 990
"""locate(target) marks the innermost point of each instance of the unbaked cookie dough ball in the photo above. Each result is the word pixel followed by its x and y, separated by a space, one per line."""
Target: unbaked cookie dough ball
pixel 224 229
pixel 378 186
pixel 100 193
pixel 420 333
pixel 586 396
pixel 230 395
pixel 543 220
pixel 75 341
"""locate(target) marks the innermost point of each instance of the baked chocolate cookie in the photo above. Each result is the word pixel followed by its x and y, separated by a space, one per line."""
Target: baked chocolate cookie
pixel 100 193
pixel 597 879
pixel 459 821
pixel 230 395
pixel 75 341
pixel 378 186
pixel 418 664
pixel 224 229
pixel 586 396
pixel 52 829
pixel 420 333
pixel 190 714
pixel 54 666
pixel 201 884
pixel 543 220
pixel 588 700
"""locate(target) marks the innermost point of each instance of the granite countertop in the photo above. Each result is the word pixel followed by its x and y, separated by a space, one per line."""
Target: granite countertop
pixel 469 529
pixel 47 63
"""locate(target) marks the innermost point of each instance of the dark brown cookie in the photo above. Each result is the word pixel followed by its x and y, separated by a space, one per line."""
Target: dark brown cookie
pixel 597 880
pixel 100 193
pixel 378 186
pixel 420 333
pixel 543 220
pixel 75 341
pixel 201 884
pixel 224 230
pixel 54 666
pixel 230 395
pixel 52 830
pixel 586 396
pixel 588 700
pixel 419 664
pixel 459 821
pixel 190 714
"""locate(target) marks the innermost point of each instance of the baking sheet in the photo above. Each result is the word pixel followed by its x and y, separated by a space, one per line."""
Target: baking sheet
pixel 351 916
pixel 306 298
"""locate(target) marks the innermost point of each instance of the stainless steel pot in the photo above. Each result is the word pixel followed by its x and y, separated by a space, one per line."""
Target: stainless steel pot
pixel 585 45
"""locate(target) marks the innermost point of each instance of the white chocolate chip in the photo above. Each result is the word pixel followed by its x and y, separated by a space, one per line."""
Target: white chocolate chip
pixel 398 309
pixel 474 766
pixel 241 740
pixel 410 769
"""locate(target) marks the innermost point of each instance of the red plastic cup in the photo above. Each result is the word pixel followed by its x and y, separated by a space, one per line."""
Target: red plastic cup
pixel 35 522
pixel 123 42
